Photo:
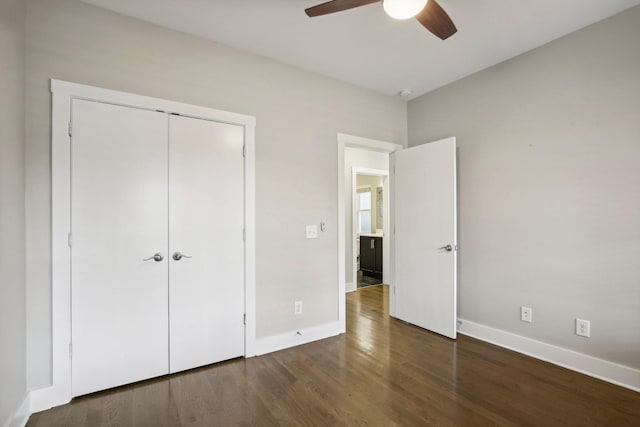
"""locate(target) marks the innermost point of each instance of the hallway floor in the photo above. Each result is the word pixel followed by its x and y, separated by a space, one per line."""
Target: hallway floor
pixel 364 281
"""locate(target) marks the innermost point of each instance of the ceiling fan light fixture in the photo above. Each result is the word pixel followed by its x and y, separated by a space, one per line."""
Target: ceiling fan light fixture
pixel 403 9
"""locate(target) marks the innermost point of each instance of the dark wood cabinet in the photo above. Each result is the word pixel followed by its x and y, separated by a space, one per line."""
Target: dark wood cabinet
pixel 371 256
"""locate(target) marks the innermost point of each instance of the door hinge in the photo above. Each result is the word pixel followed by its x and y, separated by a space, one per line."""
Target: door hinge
pixel 70 128
pixel 69 239
pixel 244 151
pixel 70 350
pixel 244 319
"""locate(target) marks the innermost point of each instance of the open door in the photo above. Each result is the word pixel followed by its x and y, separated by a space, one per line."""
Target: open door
pixel 424 183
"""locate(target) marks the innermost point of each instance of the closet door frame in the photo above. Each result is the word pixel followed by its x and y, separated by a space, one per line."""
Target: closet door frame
pixel 62 95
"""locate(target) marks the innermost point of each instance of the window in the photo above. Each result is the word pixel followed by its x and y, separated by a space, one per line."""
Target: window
pixel 363 205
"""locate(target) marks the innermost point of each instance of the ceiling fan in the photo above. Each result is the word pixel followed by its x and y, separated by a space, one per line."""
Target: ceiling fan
pixel 428 12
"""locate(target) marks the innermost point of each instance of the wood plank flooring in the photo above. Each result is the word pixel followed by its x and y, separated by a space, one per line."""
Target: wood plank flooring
pixel 381 373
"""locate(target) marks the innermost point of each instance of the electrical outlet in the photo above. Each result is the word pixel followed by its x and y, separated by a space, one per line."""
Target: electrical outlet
pixel 297 307
pixel 312 231
pixel 526 314
pixel 583 328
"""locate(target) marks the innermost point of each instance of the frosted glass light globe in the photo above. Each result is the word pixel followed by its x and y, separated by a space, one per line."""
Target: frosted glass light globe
pixel 403 9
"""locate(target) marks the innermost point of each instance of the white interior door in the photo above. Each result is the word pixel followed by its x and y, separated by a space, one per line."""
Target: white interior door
pixel 119 218
pixel 425 236
pixel 206 222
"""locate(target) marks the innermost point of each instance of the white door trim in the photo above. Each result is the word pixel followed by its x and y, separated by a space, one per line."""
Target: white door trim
pixel 62 93
pixel 344 141
pixel 355 171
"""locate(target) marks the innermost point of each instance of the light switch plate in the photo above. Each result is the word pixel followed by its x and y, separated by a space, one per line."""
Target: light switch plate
pixel 526 314
pixel 312 231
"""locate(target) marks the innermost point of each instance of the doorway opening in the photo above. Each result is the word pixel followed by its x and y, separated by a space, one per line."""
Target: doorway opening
pixel 370 225
pixel 420 269
pixel 370 159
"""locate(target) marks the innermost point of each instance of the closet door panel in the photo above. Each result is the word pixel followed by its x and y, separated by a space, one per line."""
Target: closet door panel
pixel 206 211
pixel 119 217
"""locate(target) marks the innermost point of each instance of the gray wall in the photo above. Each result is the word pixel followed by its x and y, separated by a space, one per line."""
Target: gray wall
pixel 298 117
pixel 13 375
pixel 549 188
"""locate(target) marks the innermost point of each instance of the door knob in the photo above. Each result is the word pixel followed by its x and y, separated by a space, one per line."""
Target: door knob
pixel 447 248
pixel 157 257
pixel 178 256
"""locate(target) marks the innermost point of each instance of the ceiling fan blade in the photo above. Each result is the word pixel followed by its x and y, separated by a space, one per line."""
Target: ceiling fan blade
pixel 436 20
pixel 336 6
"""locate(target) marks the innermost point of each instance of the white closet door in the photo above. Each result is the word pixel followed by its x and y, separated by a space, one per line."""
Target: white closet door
pixel 119 217
pixel 206 211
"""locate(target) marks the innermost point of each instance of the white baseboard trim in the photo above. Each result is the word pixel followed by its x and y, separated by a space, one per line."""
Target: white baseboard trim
pixel 350 287
pixel 21 416
pixel 298 337
pixel 621 375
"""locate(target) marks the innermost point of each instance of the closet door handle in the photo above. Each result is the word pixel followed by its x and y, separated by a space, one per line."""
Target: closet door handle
pixel 156 257
pixel 177 256
pixel 373 244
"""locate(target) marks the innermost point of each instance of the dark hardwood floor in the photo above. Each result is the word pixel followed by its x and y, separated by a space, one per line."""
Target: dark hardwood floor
pixel 381 373
pixel 366 280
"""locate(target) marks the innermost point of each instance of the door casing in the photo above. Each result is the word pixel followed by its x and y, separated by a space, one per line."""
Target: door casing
pixel 351 141
pixel 384 174
pixel 62 94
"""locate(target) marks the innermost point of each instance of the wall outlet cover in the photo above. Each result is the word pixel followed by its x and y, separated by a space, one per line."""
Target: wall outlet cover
pixel 583 328
pixel 526 314
pixel 297 307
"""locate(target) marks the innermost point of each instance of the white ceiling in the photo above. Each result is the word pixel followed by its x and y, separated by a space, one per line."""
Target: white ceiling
pixel 365 47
